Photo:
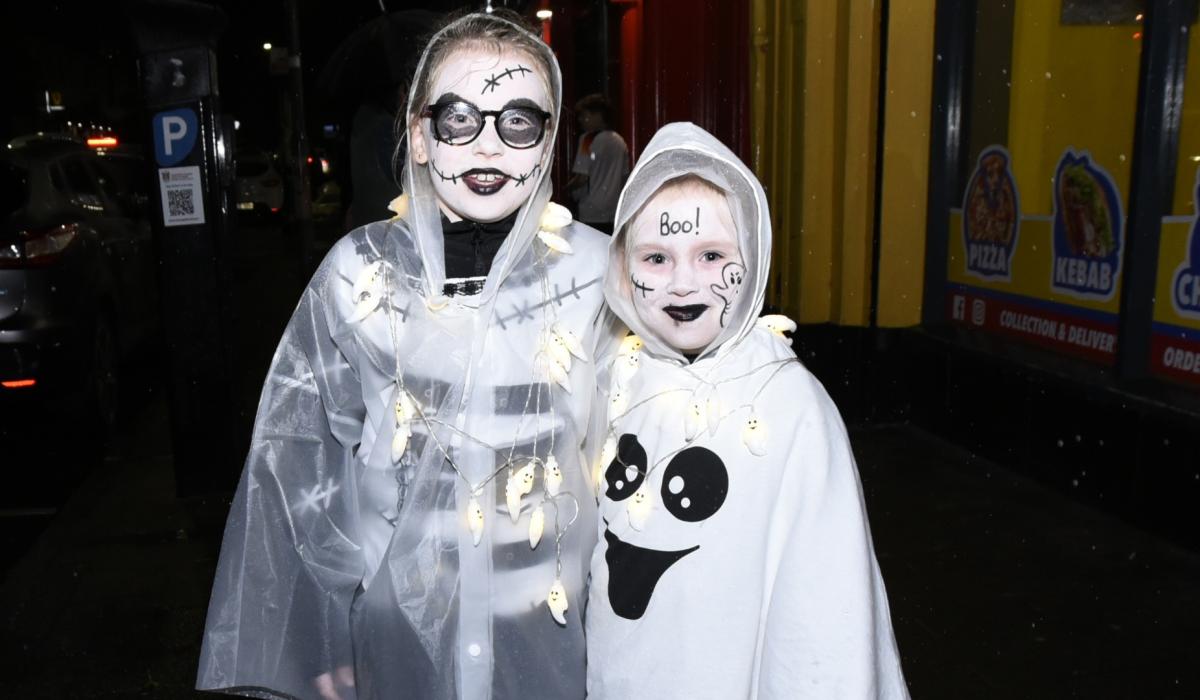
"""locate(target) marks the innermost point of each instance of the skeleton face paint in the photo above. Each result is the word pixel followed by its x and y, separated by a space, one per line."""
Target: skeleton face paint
pixel 685 266
pixel 485 179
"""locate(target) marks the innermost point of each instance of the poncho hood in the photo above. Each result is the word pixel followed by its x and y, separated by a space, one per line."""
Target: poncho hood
pixel 421 211
pixel 682 148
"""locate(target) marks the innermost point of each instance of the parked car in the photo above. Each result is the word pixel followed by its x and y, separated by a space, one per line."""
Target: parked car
pixel 259 184
pixel 77 275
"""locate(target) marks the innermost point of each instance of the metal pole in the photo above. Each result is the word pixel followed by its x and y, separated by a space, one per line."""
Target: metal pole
pixel 301 202
pixel 1155 150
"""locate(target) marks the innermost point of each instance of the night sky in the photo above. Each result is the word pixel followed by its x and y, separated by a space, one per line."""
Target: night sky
pixel 87 52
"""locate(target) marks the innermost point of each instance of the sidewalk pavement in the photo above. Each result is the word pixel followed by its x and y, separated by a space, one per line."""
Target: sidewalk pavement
pixel 999 588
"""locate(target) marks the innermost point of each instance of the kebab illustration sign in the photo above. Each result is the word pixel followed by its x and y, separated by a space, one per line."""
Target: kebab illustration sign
pixel 1088 229
pixel 991 216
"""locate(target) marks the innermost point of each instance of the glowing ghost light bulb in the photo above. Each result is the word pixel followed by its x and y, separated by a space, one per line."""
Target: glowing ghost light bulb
pixel 406 410
pixel 554 217
pixel 552 476
pixel 556 600
pixel 537 524
pixel 639 508
pixel 712 409
pixel 554 348
pixel 475 519
pixel 525 477
pixel 555 242
pixel 400 441
pixel 366 291
pixel 512 499
pixel 754 435
pixel 364 307
pixel 778 324
pixel 630 345
pixel 399 206
pixel 693 419
pixel 607 454
pixel 519 484
pixel 366 280
pixel 625 367
pixel 570 340
pixel 552 371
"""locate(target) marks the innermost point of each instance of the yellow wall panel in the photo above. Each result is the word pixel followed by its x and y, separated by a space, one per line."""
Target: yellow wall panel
pixel 815 77
pixel 853 299
pixel 905 165
pixel 820 184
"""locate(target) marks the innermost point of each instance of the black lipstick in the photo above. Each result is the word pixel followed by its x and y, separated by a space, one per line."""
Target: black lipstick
pixel 687 313
pixel 485 181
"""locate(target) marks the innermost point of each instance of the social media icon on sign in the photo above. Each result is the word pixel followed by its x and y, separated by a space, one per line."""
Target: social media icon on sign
pixel 959 308
pixel 978 312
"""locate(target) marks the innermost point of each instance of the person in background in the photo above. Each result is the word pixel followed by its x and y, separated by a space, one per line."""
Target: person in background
pixel 601 164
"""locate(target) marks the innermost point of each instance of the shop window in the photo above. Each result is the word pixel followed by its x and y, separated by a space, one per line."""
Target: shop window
pixel 1038 229
pixel 1175 335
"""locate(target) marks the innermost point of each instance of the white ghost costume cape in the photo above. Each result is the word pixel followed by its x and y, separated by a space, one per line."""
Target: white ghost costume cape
pixel 371 526
pixel 734 558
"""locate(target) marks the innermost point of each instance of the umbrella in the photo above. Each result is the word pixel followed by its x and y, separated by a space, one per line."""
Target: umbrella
pixel 376 60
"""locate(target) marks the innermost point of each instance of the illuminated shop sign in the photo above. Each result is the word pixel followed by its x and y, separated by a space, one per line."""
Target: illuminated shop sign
pixel 1088 229
pixel 1175 340
pixel 991 216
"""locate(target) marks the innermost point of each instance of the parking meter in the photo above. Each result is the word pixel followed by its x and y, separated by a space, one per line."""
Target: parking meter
pixel 191 175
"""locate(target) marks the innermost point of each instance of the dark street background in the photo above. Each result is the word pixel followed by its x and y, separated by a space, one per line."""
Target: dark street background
pixel 1057 557
pixel 999 587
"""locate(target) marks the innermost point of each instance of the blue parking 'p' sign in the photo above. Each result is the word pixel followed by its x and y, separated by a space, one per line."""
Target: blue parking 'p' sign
pixel 174 135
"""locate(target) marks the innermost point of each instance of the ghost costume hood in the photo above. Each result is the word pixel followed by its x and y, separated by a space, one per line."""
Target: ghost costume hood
pixel 414 515
pixel 734 559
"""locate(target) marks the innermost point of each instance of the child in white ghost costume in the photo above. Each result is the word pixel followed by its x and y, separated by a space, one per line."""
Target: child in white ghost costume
pixel 734 558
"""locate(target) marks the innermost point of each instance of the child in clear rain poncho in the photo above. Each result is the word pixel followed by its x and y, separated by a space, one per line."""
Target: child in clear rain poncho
pixel 734 558
pixel 414 518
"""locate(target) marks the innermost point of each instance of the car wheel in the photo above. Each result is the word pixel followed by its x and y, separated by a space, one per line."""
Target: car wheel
pixel 103 380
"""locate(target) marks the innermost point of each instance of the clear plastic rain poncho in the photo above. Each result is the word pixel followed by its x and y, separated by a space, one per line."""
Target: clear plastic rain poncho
pixel 734 559
pixel 415 504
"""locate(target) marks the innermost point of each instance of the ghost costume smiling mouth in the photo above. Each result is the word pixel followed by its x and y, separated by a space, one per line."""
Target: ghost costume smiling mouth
pixel 633 572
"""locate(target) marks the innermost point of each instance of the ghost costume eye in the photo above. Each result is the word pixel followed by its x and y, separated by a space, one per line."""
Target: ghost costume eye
pixel 627 470
pixel 694 484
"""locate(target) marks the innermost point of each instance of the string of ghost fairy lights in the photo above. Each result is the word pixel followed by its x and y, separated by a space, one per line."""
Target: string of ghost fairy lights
pixel 556 346
pixel 753 435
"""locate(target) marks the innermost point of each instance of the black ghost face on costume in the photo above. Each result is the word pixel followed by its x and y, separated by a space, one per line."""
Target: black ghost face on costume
pixel 694 485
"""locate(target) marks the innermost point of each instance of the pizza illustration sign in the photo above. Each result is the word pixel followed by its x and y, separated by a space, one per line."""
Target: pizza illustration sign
pixel 1088 228
pixel 991 216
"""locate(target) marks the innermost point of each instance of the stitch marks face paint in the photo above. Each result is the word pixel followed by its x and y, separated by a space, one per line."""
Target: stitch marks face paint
pixel 486 179
pixel 685 278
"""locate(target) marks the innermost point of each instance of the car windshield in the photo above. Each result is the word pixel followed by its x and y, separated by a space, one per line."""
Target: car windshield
pixel 251 168
pixel 14 187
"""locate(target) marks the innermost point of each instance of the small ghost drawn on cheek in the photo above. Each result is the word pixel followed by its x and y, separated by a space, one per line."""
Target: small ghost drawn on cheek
pixel 732 276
